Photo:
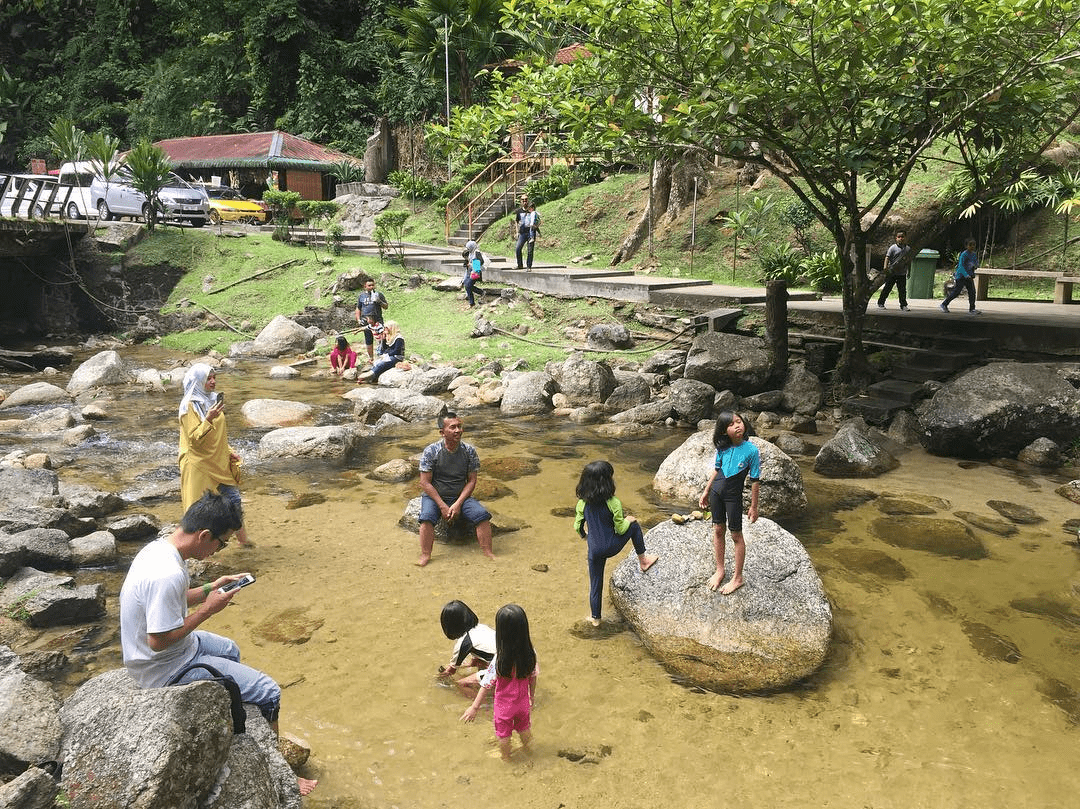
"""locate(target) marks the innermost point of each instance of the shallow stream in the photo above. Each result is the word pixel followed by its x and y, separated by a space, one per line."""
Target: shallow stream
pixel 922 702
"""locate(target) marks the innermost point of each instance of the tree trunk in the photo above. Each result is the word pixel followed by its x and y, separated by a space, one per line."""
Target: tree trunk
pixel 854 372
pixel 671 192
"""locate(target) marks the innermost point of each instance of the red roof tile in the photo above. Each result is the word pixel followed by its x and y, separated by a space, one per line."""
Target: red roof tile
pixel 262 148
pixel 565 56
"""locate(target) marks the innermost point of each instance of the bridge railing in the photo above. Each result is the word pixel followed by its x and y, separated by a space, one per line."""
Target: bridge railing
pixel 33 197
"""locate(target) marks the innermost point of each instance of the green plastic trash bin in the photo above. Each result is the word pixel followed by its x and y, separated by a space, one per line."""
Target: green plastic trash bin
pixel 921 278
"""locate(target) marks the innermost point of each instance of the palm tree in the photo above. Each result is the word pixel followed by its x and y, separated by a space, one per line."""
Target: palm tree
pixel 150 172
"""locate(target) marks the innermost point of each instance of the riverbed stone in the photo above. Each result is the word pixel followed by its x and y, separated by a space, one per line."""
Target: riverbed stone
pixel 791 444
pixel 53 420
pixel 43 599
pixel 1070 491
pixel 372 402
pixel 691 400
pixel 991 644
pixel 803 392
pixel 909 504
pixel 729 361
pixel 998 409
pixel 94 412
pixel 654 412
pixel 582 381
pixel 1003 528
pixel 1021 515
pixel 98 548
pixel 329 442
pixel 871 562
pixel 938 536
pixel 29 718
pixel 665 363
pixel 856 451
pixel 280 336
pixel 683 474
pixel 36 393
pixel 458 531
pixel 134 528
pixel 78 434
pixel 32 789
pixel 432 381
pixel 86 501
pixel 276 412
pixel 27 487
pixel 397 470
pixel 527 393
pixel 632 389
pixel 105 368
pixel 283 372
pixel 1041 452
pixel 44 548
pixel 609 337
pixel 762 403
pixel 768 635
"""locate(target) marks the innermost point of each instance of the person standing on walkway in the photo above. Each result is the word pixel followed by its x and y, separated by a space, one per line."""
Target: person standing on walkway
pixel 897 263
pixel 966 266
pixel 369 309
pixel 528 225
pixel 473 272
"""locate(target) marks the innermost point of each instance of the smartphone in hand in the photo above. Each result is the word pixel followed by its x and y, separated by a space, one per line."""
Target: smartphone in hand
pixel 243 581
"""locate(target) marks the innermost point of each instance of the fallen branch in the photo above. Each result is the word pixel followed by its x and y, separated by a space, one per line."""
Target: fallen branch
pixel 250 277
pixel 228 325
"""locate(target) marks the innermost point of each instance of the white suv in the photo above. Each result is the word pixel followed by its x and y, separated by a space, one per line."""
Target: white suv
pixel 179 200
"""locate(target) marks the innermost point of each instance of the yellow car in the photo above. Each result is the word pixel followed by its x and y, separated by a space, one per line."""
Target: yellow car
pixel 229 205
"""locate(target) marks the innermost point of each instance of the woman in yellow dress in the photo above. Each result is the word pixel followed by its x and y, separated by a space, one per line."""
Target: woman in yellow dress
pixel 206 459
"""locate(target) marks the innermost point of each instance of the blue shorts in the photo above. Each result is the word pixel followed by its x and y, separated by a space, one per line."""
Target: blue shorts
pixel 232 493
pixel 471 510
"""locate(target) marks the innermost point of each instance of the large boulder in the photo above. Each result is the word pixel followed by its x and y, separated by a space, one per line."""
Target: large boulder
pixel 683 473
pixel 167 748
pixel 856 451
pixel 997 410
pixel 42 599
pixel 433 380
pixel 310 442
pixel 29 718
pixel 106 368
pixel 691 400
pixel 44 548
pixel 372 403
pixel 275 412
pixel 803 392
pixel 85 501
pixel 52 420
pixel 280 336
pixel 652 412
pixel 632 390
pixel 768 635
pixel 729 361
pixel 459 530
pixel 527 394
pixel 35 394
pixel 28 487
pixel 582 381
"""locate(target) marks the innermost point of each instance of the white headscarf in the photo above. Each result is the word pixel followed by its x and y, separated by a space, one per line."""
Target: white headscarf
pixel 195 392
pixel 470 248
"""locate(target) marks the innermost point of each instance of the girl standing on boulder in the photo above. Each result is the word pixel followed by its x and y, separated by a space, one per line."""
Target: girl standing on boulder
pixel 736 460
pixel 207 462
pixel 599 519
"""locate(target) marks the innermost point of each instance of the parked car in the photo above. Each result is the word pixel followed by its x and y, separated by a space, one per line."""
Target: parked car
pixel 179 201
pixel 26 195
pixel 74 195
pixel 229 205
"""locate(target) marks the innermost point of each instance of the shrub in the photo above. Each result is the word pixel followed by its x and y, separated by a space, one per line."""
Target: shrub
pixel 389 233
pixel 335 235
pixel 412 185
pixel 347 171
pixel 822 271
pixel 588 172
pixel 780 262
pixel 553 185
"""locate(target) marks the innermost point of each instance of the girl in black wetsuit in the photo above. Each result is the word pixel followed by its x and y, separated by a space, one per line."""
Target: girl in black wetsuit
pixel 599 518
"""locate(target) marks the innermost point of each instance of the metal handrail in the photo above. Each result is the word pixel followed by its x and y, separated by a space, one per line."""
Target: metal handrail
pixel 501 177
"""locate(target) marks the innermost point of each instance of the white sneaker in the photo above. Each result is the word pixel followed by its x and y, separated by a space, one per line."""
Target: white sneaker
pixel 904 309
pixel 974 312
pixel 943 308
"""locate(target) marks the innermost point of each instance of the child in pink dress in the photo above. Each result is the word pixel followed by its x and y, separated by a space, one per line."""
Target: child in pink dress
pixel 512 674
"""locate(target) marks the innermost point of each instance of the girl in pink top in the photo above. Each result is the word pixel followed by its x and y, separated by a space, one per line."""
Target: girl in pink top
pixel 342 357
pixel 513 676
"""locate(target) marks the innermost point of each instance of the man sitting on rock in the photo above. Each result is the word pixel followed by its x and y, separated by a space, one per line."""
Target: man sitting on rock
pixel 448 471
pixel 158 628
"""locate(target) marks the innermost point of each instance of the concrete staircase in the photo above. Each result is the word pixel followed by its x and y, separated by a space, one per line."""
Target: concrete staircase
pixel 498 210
pixel 905 386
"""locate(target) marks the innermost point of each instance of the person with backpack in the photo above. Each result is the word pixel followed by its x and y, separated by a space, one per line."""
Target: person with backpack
pixel 528 226
pixel 475 262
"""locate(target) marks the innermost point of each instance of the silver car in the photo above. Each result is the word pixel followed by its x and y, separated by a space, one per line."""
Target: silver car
pixel 178 201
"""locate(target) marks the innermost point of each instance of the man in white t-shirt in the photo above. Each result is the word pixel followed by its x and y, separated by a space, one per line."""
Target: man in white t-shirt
pixel 160 614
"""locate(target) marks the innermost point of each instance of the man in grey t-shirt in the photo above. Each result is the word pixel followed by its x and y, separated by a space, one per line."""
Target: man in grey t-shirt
pixel 897 263
pixel 448 470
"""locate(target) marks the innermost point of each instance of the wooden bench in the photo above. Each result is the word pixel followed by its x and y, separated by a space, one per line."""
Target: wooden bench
pixel 982 279
pixel 1063 288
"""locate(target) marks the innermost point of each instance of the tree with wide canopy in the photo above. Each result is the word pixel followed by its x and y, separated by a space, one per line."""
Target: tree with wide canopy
pixel 840 99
